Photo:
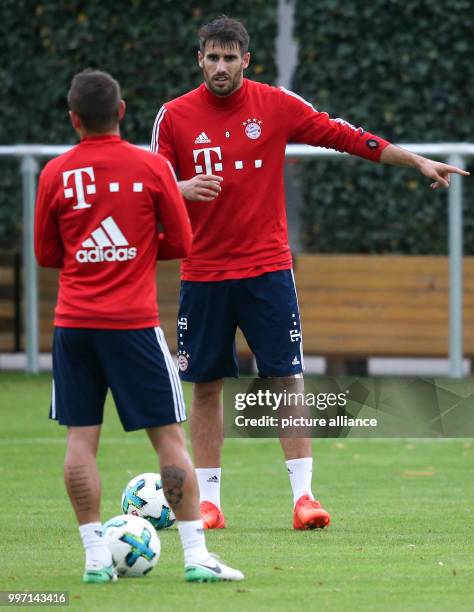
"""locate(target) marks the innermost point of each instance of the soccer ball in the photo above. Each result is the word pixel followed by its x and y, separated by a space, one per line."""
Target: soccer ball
pixel 134 544
pixel 144 496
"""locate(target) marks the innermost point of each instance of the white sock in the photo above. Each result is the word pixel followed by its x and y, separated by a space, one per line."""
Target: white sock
pixel 300 472
pixel 193 541
pixel 97 553
pixel 209 480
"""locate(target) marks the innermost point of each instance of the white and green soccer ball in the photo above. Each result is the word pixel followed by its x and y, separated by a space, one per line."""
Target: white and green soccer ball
pixel 144 496
pixel 134 544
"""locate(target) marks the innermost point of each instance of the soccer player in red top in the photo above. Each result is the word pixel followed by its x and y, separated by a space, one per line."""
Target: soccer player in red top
pixel 99 209
pixel 226 140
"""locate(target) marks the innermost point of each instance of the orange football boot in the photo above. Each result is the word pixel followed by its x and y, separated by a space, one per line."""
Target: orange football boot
pixel 308 514
pixel 212 516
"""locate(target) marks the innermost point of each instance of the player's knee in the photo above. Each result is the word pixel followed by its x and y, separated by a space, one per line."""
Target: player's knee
pixel 207 394
pixel 82 441
pixel 166 437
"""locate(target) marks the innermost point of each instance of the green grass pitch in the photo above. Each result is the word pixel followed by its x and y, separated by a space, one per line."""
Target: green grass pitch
pixel 401 537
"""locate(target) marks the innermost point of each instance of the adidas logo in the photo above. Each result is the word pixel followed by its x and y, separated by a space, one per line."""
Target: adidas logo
pixel 107 243
pixel 202 138
pixel 213 479
pixel 296 361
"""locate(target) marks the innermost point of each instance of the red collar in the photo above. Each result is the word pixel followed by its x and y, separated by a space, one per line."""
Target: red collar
pixel 225 102
pixel 101 138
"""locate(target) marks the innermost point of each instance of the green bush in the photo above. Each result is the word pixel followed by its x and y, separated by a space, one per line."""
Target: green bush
pixel 404 70
pixel 149 46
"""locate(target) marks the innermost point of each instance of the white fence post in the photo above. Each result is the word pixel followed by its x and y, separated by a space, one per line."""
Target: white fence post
pixel 455 244
pixel 29 171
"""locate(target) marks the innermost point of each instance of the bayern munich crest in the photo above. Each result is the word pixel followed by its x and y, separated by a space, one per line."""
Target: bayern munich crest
pixel 252 128
pixel 183 362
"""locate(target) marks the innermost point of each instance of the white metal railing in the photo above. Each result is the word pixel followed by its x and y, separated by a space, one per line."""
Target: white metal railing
pixel 454 153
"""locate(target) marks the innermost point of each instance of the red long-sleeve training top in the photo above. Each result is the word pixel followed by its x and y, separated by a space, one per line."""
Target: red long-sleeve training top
pixel 106 211
pixel 242 137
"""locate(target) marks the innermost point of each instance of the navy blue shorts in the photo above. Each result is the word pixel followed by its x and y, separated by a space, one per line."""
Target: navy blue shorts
pixel 266 310
pixel 135 364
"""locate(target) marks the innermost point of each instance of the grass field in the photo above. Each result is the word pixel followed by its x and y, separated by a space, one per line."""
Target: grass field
pixel 401 536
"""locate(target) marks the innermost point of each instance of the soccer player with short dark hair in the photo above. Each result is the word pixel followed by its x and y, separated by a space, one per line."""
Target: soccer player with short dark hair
pixel 226 140
pixel 106 211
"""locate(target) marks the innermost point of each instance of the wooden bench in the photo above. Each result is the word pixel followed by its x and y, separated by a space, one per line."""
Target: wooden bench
pixel 9 302
pixel 369 305
pixel 352 306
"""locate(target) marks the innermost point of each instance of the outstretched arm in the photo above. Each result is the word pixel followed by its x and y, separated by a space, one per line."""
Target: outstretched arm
pixel 439 172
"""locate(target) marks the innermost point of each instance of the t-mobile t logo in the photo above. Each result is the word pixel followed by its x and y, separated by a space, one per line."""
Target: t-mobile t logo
pixel 207 154
pixel 79 185
pixel 295 335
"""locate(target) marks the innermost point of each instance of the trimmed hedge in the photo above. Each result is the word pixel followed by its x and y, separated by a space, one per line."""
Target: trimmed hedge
pixel 149 46
pixel 403 70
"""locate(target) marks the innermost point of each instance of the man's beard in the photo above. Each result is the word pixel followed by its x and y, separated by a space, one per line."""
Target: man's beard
pixel 231 85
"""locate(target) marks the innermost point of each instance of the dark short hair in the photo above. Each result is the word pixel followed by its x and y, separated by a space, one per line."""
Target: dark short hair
pixel 95 96
pixel 226 32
